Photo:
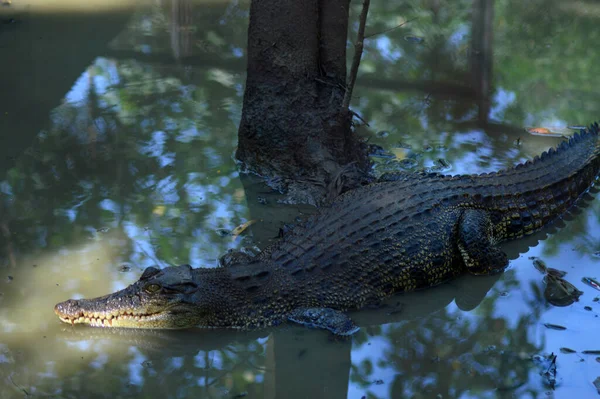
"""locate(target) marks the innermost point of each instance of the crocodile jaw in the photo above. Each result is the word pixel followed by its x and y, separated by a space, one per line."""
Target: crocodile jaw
pixel 76 312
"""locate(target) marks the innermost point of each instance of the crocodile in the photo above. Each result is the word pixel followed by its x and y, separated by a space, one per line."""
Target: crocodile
pixel 405 232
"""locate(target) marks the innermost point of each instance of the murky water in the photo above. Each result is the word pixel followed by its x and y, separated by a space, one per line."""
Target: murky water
pixel 118 124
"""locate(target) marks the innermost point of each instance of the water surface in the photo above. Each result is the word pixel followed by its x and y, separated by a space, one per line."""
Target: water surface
pixel 118 125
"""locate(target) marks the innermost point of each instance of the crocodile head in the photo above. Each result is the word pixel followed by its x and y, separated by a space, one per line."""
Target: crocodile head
pixel 159 299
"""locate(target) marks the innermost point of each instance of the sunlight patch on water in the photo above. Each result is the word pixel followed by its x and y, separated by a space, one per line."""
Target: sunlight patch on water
pixel 44 280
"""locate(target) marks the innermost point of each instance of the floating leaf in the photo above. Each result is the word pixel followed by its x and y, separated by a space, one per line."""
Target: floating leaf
pixel 550 132
pixel 538 130
pixel 556 272
pixel 591 352
pixel 547 366
pixel 591 282
pixel 559 292
pixel 540 265
pixel 567 350
pixel 240 229
pixel 554 326
pixel 597 384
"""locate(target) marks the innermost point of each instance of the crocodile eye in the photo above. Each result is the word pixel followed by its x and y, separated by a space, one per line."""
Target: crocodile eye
pixel 151 288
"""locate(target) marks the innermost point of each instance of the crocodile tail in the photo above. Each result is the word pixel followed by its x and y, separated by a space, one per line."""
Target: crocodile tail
pixel 546 187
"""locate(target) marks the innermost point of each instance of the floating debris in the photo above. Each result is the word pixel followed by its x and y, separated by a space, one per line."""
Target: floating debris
pixel 538 130
pixel 559 292
pixel 382 134
pixel 9 279
pixel 547 366
pixel 414 39
pixel 124 268
pixel 591 352
pixel 240 229
pixel 550 132
pixel 540 265
pixel 556 272
pixel 592 283
pixel 597 384
pixel 567 350
pixel 588 308
pixel 102 230
pixel 554 327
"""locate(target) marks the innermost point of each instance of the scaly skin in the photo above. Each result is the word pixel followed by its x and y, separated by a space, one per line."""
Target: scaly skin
pixel 410 232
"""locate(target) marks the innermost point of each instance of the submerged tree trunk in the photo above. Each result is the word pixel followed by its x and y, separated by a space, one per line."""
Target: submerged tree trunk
pixel 293 130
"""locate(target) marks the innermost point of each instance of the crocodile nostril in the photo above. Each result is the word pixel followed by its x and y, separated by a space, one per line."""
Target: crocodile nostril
pixel 66 307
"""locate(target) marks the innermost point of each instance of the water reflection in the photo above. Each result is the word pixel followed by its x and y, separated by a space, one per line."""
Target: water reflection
pixel 135 169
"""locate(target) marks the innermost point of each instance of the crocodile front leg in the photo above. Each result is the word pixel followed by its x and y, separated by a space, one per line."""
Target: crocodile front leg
pixel 477 245
pixel 329 319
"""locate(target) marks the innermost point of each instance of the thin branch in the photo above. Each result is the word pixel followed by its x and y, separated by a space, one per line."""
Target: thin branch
pixel 359 117
pixel 358 49
pixel 390 29
pixel 18 387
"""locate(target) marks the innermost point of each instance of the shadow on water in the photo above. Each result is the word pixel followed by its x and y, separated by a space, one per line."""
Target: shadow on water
pixel 116 154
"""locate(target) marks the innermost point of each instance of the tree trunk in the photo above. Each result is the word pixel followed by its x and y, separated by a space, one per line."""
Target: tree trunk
pixel 293 131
